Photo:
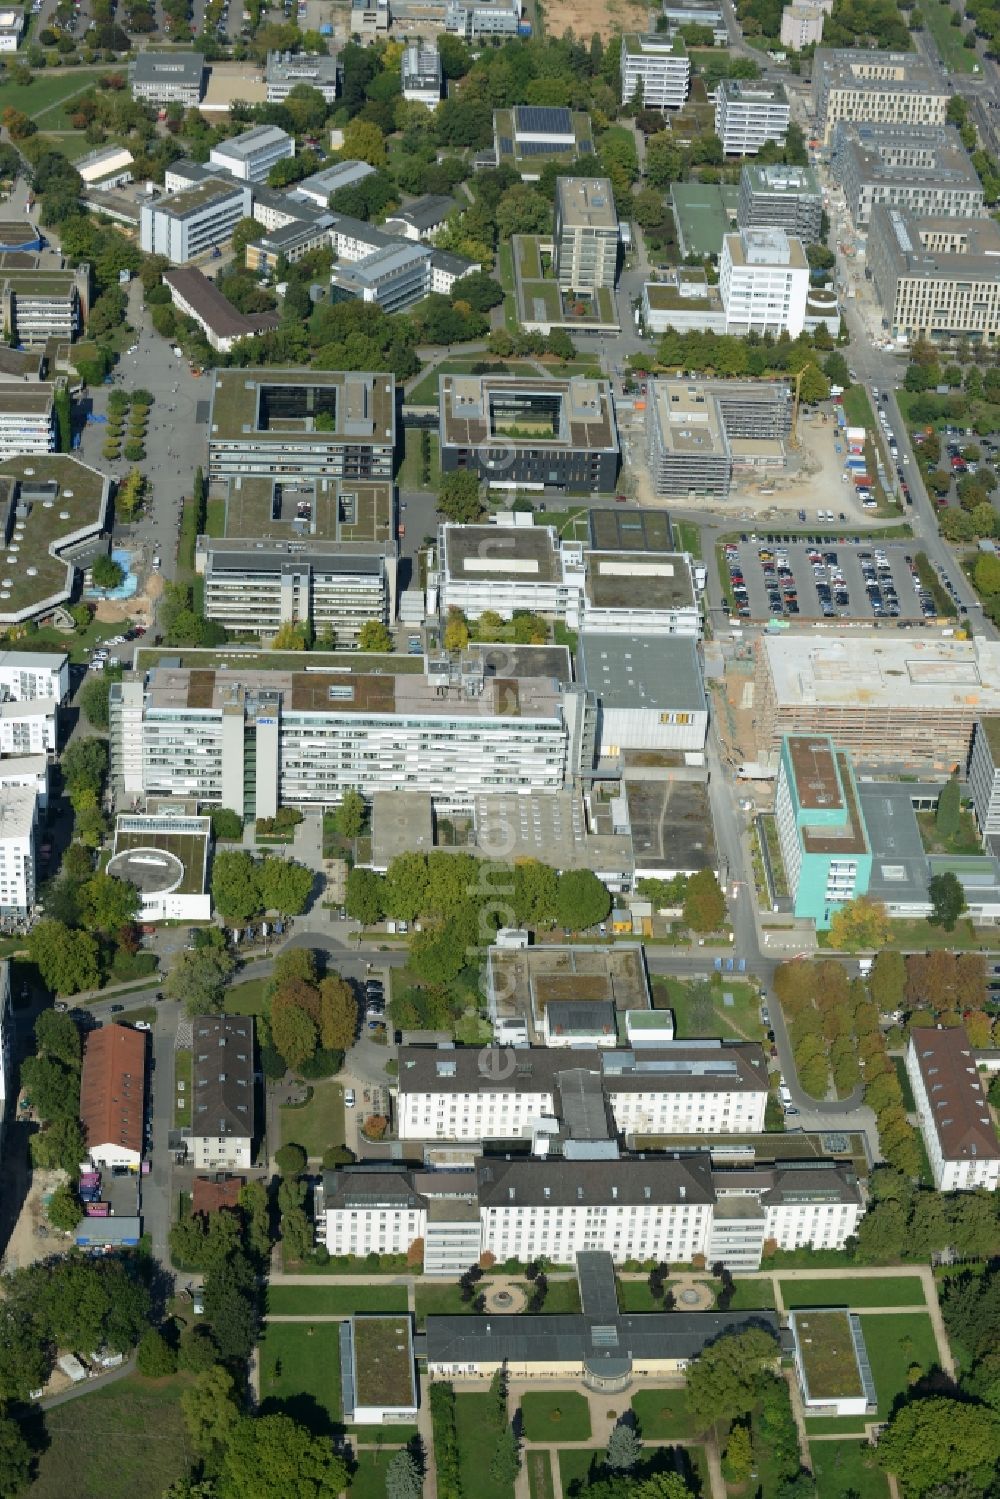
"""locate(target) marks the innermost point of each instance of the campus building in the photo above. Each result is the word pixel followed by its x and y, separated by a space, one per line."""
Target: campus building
pixel 764 282
pixel 585 243
pixel 257 740
pixel 780 197
pixel 41 299
pixel 167 78
pixel 529 136
pixel 27 675
pixel 747 114
pixel 53 510
pixel 250 156
pixel 28 728
pixel 984 776
pixel 649 692
pixel 821 827
pixel 802 24
pixel 301 425
pixel 923 169
pixel 422 77
pixel 393 277
pixel 658 64
pixel 705 13
pixel 885 700
pixel 516 431
pixel 222 1089
pixel 936 278
pixel 317 188
pixel 887 88
pixel 294 240
pixel 483 19
pixel 689 453
pixel 423 217
pixel 27 420
pixel 113 1096
pixel 952 1110
pixel 285 70
pixel 195 221
pixel 18 870
pixel 200 299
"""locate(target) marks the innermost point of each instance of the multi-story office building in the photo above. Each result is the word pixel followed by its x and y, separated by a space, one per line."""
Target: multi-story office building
pixel 485 19
pixel 952 1110
pixel 655 1207
pixel 984 776
pixel 526 433
pixel 649 692
pixel 687 1088
pixel 294 241
pixel 222 1087
pixel 585 243
pixel 27 771
pixel 18 814
pixel 318 188
pixel 253 741
pixel 28 728
pixel 27 420
pixel 657 64
pixel 689 453
pixel 52 512
pixel 887 88
pixel 936 278
pixel 802 24
pixel 250 156
pixel 924 169
pixel 821 827
pixel 302 425
pixel 780 197
pixel 286 69
pixel 187 224
pixel 883 700
pixel 422 78
pixel 393 277
pixel 26 675
pixel 39 302
pixel 167 78
pixel 764 282
pixel 747 114
pixel 704 13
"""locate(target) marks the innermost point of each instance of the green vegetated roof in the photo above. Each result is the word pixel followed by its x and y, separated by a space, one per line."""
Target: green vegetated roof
pixel 826 1348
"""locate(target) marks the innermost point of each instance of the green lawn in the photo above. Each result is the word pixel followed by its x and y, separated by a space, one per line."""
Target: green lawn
pixel 555 1416
pixel 368 1479
pixel 215 517
pixel 540 1482
pixel 688 537
pixel 739 1021
pixel 842 1471
pixel 438 1300
pixel 125 1441
pixel 662 1414
pixel 48 90
pixel 579 1466
pixel 334 1301
pixel 182 1099
pixel 246 999
pixel 575 1468
pixel 475 1444
pixel 894 1343
pixel 320 1123
pixel 956 57
pixel 300 1372
pixel 855 1292
pixel 964 841
pixel 410 475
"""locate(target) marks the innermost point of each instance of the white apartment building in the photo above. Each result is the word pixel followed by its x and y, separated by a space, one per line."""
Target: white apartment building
pixel 749 113
pixel 764 282
pixel 952 1110
pixel 422 77
pixel 250 156
pixel 28 728
pixel 445 1095
pixel 984 776
pixel 802 23
pixel 195 221
pixel 585 243
pixel 222 1103
pixel 11 29
pixel 26 675
pixel 18 815
pixel 660 66
pixel 26 771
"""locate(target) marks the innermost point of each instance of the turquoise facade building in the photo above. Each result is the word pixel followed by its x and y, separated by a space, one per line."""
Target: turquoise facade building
pixel 821 827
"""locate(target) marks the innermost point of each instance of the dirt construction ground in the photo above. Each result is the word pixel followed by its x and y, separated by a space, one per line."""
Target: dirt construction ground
pixel 584 17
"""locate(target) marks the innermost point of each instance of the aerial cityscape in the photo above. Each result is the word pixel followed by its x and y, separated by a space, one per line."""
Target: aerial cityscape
pixel 500 749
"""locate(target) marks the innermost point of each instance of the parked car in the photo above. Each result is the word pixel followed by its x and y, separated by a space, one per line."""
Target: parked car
pixel 350 1098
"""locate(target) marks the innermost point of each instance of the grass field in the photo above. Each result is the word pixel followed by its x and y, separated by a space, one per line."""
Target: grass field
pixel 410 475
pixel 334 1301
pixel 320 1124
pixel 125 1441
pixel 215 517
pixel 956 57
pixel 300 1373
pixel 445 1299
pixel 368 1479
pixel 662 1414
pixel 182 1098
pixel 841 1471
pixel 475 1444
pixel 739 1021
pixel 854 1292
pixel 688 537
pixel 42 97
pixel 908 1339
pixel 555 1416
pixel 246 999
pixel 540 1481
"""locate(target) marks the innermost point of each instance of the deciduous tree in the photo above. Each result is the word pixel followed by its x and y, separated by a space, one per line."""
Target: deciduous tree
pixel 932 1441
pixel 271 1457
pixel 704 903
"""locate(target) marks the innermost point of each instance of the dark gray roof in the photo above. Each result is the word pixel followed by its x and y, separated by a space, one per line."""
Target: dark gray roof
pixel 444 260
pixel 168 67
pixel 303 210
pixel 347 1189
pixel 425 212
pixel 566 1018
pixel 209 303
pixel 642 671
pixel 222 1069
pixel 511 1182
pixel 264 559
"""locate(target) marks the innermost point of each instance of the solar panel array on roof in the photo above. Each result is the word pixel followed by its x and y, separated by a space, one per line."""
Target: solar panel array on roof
pixel 536 148
pixel 553 120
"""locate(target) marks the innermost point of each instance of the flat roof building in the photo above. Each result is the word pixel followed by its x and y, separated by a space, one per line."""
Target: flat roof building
pixel 27 419
pixel 764 282
pixel 41 298
pixel 924 169
pixel 302 424
pixel 18 864
pixel 831 1362
pixel 52 510
pixel 936 278
pixel 704 213
pixel 884 87
pixel 689 453
pixel 250 156
pixel 518 431
pixel 167 77
pixel 748 114
pixel 222 1093
pixel 660 64
pixel 483 19
pixel 107 167
pixel 195 221
pixel 393 277
pixel 585 244
pixel 821 827
pixel 952 1110
pixel 704 13
pixel 984 777
pixel 422 78
pixel 112 1095
pixel 287 69
pixel 802 24
pixel 781 197
pixel 649 690
pixel 529 136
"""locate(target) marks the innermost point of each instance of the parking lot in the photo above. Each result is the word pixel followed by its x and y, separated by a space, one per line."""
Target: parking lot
pixel 823 579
